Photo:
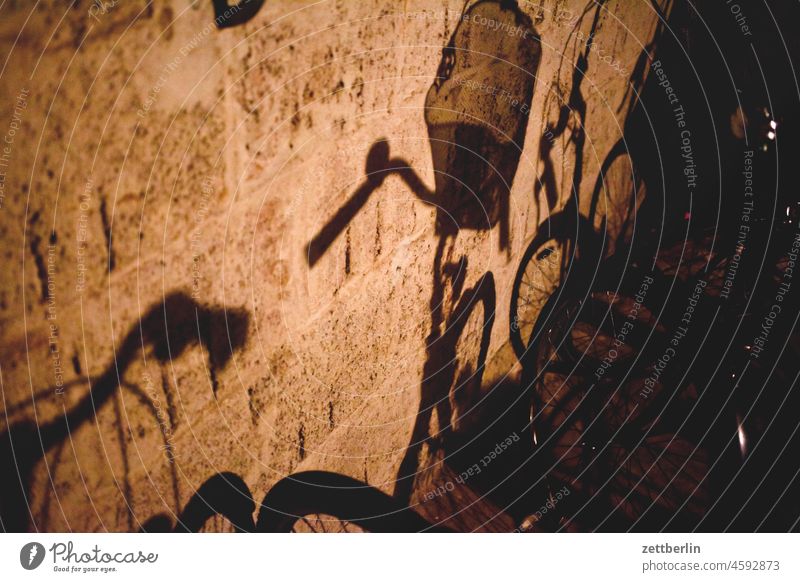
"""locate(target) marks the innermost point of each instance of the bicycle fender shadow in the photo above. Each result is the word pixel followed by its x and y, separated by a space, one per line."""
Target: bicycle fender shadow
pixel 322 492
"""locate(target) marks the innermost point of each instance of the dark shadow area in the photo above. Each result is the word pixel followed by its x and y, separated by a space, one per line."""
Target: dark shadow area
pixel 741 123
pixel 447 377
pixel 714 445
pixel 506 480
pixel 226 15
pixel 160 523
pixel 166 330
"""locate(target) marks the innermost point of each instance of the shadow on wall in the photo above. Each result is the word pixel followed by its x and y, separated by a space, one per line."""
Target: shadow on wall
pixel 225 494
pixel 305 498
pixel 476 112
pixel 226 16
pixel 167 329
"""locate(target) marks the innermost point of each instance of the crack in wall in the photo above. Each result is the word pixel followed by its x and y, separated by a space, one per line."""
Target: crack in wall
pixel 107 232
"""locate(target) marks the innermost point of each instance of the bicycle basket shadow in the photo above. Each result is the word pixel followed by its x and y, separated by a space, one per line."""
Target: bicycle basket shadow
pixel 476 112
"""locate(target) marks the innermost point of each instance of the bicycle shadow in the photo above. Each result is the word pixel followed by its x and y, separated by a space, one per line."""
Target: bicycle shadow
pixel 476 142
pixel 476 115
pixel 167 329
pixel 328 497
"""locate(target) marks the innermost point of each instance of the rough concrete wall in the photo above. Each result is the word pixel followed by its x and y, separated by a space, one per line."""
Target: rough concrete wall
pixel 153 154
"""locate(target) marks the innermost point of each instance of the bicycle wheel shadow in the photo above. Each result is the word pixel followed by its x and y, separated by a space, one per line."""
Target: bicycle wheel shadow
pixel 166 330
pixel 336 496
pixel 223 494
pixel 291 502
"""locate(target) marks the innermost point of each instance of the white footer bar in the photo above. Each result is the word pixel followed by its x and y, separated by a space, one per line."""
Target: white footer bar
pixel 461 557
